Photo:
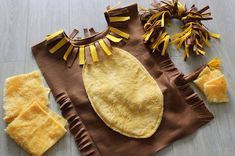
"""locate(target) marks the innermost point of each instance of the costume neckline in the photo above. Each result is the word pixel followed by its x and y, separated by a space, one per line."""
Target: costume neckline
pixel 78 42
pixel 117 19
pixel 90 39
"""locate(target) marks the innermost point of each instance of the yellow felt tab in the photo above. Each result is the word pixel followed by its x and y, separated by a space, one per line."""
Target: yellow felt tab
pixel 166 42
pixel 201 51
pixel 68 51
pixel 214 35
pixel 58 45
pixel 159 41
pixel 147 35
pixel 182 33
pixel 119 32
pixel 20 91
pixel 205 39
pixel 180 8
pixel 154 16
pixel 105 47
pixel 197 42
pixel 186 52
pixel 35 130
pixel 93 53
pixel 113 38
pixel 81 55
pixel 124 94
pixel 162 21
pixel 48 38
pixel 183 38
pixel 216 90
pixel 119 19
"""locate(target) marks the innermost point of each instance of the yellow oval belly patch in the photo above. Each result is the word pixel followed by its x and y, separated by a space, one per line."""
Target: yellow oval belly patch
pixel 124 95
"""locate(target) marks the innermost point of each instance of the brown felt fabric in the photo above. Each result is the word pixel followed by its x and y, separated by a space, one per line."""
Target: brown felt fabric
pixel 184 111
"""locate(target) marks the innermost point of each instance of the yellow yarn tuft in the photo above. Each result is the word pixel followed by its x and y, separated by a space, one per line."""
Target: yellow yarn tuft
pixel 214 63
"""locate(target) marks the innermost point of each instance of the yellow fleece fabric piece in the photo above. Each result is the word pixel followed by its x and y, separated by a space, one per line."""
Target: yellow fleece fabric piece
pixel 216 89
pixel 33 125
pixel 213 84
pixel 20 91
pixel 124 95
pixel 35 130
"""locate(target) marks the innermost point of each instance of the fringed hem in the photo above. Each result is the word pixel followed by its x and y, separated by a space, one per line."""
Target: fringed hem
pixel 76 127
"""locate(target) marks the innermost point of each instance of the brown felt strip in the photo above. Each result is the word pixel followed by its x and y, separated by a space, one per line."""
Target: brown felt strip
pixel 72 57
pixel 92 31
pixel 88 55
pixel 86 33
pixel 73 33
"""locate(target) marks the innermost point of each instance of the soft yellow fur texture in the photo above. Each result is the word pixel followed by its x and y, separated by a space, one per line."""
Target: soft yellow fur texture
pixel 124 94
pixel 213 84
pixel 36 130
pixel 20 91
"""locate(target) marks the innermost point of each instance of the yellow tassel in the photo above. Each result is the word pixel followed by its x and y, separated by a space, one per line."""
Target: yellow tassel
pixel 214 63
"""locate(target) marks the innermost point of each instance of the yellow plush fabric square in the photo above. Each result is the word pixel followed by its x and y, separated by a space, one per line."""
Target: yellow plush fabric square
pixel 36 130
pixel 213 84
pixel 205 76
pixel 54 115
pixel 215 90
pixel 20 91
